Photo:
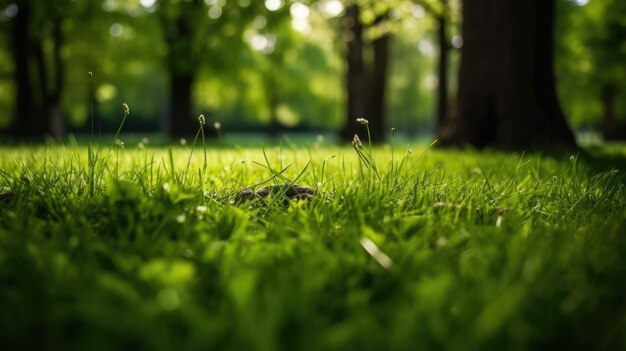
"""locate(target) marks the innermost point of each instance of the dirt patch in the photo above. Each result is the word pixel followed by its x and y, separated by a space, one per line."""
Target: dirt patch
pixel 289 191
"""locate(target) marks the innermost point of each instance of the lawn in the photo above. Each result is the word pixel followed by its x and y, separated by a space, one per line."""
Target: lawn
pixel 156 248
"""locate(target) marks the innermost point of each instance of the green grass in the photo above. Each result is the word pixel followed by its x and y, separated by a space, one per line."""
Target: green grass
pixel 138 248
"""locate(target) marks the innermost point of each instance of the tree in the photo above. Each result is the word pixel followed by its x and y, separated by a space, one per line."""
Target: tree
pixel 440 10
pixel 181 22
pixel 37 40
pixel 193 38
pixel 605 38
pixel 507 94
pixel 590 64
pixel 442 69
pixel 365 81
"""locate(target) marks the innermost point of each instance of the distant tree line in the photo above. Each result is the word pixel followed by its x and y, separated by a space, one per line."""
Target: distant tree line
pixel 504 95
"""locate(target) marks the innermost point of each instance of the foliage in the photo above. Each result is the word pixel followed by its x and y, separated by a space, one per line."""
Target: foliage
pixel 430 249
pixel 125 45
pixel 590 55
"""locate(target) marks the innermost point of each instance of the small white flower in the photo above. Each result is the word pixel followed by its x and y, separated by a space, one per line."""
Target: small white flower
pixel 183 141
pixel 201 120
pixel 90 74
pixel 356 141
pixel 201 208
pixel 181 218
pixel 363 121
pixel 140 145
pixel 145 141
pixel 166 187
pixel 126 109
pixel 217 125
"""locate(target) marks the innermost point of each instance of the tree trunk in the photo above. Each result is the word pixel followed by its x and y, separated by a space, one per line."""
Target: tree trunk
pixel 378 84
pixel 365 83
pixel 442 70
pixel 181 121
pixel 51 86
pixel 356 78
pixel 609 127
pixel 54 106
pixel 183 59
pixel 507 94
pixel 38 112
pixel 23 124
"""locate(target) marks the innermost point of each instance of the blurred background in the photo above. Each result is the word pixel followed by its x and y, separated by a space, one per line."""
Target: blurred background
pixel 271 67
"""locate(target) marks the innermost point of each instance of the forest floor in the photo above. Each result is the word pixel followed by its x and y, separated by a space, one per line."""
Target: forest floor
pixel 390 248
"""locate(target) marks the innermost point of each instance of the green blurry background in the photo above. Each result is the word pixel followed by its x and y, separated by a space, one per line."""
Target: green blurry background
pixel 258 64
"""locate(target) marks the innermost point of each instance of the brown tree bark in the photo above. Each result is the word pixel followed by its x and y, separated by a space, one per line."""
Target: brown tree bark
pixel 507 94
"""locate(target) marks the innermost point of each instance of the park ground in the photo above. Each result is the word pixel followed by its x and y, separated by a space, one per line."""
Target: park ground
pixel 401 247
